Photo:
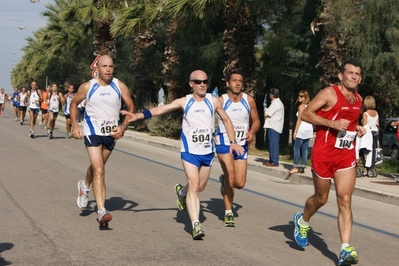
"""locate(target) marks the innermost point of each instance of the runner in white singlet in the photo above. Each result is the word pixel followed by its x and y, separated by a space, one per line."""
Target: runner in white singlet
pixel 23 102
pixel 197 145
pixel 35 97
pixel 55 98
pixel 101 129
pixel 67 102
pixel 241 109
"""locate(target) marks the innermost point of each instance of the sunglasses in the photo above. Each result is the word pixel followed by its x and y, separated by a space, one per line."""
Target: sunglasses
pixel 198 81
pixel 300 96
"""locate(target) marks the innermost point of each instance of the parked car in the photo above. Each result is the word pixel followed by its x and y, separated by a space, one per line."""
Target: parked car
pixel 390 142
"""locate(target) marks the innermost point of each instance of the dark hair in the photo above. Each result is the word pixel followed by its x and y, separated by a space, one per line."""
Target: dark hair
pixel 275 92
pixel 229 74
pixel 350 61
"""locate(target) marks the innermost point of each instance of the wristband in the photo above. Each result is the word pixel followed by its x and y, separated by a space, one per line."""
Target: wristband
pixel 233 141
pixel 147 113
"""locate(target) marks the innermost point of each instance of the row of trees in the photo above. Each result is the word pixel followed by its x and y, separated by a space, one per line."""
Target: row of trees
pixel 288 44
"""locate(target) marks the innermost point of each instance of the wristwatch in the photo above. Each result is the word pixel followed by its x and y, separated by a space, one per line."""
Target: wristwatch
pixel 125 127
pixel 233 141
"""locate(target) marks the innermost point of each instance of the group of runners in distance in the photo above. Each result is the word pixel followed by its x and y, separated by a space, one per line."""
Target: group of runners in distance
pixel 48 102
pixel 334 112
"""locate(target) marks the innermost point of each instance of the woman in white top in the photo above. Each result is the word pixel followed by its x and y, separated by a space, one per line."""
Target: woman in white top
pixel 370 120
pixel 302 133
pixel 2 101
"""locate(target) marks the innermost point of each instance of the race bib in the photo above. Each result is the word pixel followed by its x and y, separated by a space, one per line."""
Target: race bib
pixel 201 135
pixel 345 140
pixel 54 108
pixel 34 101
pixel 107 125
pixel 241 131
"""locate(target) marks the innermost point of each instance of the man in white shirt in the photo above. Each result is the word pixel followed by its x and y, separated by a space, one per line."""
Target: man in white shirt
pixel 274 122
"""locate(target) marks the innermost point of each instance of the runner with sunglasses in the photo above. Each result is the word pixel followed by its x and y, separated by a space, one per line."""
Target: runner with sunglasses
pixel 197 144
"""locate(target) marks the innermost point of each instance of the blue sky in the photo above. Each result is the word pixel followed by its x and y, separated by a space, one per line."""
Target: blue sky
pixel 14 13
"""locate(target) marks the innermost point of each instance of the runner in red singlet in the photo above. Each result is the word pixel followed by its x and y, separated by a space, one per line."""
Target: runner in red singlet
pixel 335 112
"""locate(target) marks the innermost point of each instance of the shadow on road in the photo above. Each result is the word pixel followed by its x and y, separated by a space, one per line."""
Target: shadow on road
pixel 314 240
pixel 4 247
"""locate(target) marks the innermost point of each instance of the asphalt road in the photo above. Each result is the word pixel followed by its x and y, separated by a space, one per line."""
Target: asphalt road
pixel 41 223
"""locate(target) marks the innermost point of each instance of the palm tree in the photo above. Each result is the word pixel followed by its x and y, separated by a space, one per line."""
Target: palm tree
pixel 139 20
pixel 240 18
pixel 96 15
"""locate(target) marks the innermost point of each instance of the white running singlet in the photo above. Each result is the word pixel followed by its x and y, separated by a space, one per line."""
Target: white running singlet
pixel 103 104
pixel 198 126
pixel 34 102
pixel 54 103
pixel 68 103
pixel 239 114
pixel 22 97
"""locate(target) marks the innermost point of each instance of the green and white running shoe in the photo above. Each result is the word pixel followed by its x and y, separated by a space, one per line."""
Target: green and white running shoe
pixel 181 201
pixel 229 220
pixel 198 233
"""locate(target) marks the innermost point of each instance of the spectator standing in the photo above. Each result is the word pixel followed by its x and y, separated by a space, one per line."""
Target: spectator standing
pixel 370 120
pixel 2 101
pixel 274 123
pixel 303 131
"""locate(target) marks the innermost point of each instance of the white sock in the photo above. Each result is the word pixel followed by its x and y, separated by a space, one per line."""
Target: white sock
pixel 181 193
pixel 302 222
pixel 194 222
pixel 227 211
pixel 344 245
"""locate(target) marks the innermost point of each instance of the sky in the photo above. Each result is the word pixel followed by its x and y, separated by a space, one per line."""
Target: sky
pixel 15 13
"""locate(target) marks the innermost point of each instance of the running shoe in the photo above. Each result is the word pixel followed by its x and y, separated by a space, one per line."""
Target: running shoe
pixel 68 136
pixel 32 134
pixel 48 132
pixel 50 135
pixel 103 217
pixel 198 232
pixel 83 194
pixel 229 220
pixel 181 201
pixel 300 232
pixel 16 119
pixel 40 123
pixel 221 180
pixel 348 256
pixel 45 127
pixel 21 123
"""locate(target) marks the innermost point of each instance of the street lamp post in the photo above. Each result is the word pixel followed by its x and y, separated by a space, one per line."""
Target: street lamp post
pixel 24 28
pixel 36 1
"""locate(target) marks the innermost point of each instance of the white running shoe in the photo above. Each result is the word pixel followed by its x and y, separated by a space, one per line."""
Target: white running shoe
pixel 83 194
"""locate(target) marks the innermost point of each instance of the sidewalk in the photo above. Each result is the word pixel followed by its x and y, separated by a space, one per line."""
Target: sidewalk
pixel 381 188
